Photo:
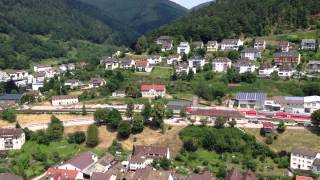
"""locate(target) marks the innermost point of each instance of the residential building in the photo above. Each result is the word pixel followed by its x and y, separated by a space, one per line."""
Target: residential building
pixel 285 71
pixel 235 174
pixel 119 94
pixel 231 44
pixel 291 58
pixel 19 75
pixel 110 63
pixel 248 100
pixel 72 83
pixel 10 100
pixel 4 77
pixel 196 62
pixel 71 67
pixel 265 70
pixel 178 105
pixel 251 53
pixel 245 65
pixel 42 67
pixel 55 173
pixel 164 39
pixel 11 139
pixel 212 46
pixel 154 59
pixel 8 176
pixel 64 100
pixel 304 160
pixel 167 46
pixel 63 68
pixel 127 64
pixel 267 127
pixel 144 155
pixel 287 104
pixel 197 45
pixel 182 68
pixel 313 67
pixel 284 46
pixel 221 64
pixel 148 173
pixel 308 44
pixel 311 104
pixel 97 82
pixel 260 44
pixel 153 90
pixel 143 66
pixel 183 48
pixel 212 114
pixel 174 59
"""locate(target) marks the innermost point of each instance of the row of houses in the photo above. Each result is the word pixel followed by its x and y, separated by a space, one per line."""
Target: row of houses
pixel 260 101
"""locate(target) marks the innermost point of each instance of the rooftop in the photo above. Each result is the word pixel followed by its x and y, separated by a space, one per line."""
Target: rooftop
pixel 221 60
pixel 304 152
pixel 10 132
pixel 156 87
pixel 55 98
pixel 217 113
pixel 248 96
pixel 82 160
pixel 15 97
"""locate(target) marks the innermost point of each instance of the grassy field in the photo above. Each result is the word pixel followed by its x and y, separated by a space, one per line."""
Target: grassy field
pixel 32 167
pixel 290 139
pixel 163 73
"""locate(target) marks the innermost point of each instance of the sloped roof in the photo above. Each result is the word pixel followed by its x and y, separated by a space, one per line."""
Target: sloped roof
pixel 11 132
pixel 156 87
pixel 8 176
pixel 82 160
pixel 15 97
pixel 249 96
pixel 304 152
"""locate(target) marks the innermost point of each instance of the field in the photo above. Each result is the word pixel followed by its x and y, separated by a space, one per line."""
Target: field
pixel 161 72
pixel 291 138
pixel 148 136
pixel 24 119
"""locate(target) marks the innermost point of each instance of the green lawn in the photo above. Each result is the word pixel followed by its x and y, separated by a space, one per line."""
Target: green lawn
pixel 163 73
pixel 24 160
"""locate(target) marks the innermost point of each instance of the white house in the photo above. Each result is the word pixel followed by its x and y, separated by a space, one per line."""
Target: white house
pixel 64 100
pixel 174 59
pixel 110 63
pixel 196 62
pixel 11 139
pixel 212 46
pixel 184 47
pixel 231 44
pixel 143 66
pixel 119 94
pixel 221 64
pixel 63 68
pixel 19 75
pixel 285 71
pixel 311 103
pixel 308 44
pixel 144 155
pixel 97 82
pixel 180 68
pixel 154 59
pixel 304 160
pixel 259 44
pixel 42 68
pixel 73 83
pixel 4 77
pixel 127 64
pixel 153 90
pixel 71 66
pixel 166 46
pixel 251 53
pixel 245 65
pixel 284 46
pixel 265 70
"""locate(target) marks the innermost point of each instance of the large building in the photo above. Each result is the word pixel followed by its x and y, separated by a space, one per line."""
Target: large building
pixel 64 100
pixel 246 100
pixel 153 90
pixel 11 139
pixel 291 58
pixel 305 160
pixel 231 44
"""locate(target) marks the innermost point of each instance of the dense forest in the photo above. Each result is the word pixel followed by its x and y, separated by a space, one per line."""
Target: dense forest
pixel 232 18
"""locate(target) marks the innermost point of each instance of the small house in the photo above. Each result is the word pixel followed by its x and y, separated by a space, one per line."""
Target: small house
pixel 231 44
pixel 285 71
pixel 164 39
pixel 250 100
pixel 127 64
pixel 313 67
pixel 182 68
pixel 259 44
pixel 245 65
pixel 251 53
pixel 197 45
pixel 154 59
pixel 119 94
pixel 196 62
pixel 72 83
pixel 183 48
pixel 19 75
pixel 284 46
pixel 221 64
pixel 153 90
pixel 291 58
pixel 174 59
pixel 212 46
pixel 265 70
pixel 11 139
pixel 267 127
pixel 143 66
pixel 97 82
pixel 64 100
pixel 42 68
pixel 308 44
pixel 110 63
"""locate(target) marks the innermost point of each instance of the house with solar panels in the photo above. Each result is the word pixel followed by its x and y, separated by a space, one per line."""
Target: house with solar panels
pixel 287 104
pixel 250 100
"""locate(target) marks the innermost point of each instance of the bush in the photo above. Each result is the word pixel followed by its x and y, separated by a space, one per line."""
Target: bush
pixel 124 129
pixel 190 146
pixel 92 136
pixel 78 137
pixel 9 115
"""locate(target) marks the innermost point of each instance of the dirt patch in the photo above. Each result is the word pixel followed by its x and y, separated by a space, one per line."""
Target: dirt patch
pixel 148 136
pixel 24 119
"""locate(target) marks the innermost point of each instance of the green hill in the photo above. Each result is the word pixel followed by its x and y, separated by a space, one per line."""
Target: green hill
pixel 234 18
pixel 140 15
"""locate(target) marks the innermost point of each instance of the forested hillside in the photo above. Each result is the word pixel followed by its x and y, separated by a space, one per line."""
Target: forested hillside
pixel 33 30
pixel 140 15
pixel 231 18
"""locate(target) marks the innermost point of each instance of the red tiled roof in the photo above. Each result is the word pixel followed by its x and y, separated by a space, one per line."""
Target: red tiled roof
pixel 156 87
pixel 267 125
pixel 303 178
pixel 142 63
pixel 218 113
pixel 54 98
pixel 62 173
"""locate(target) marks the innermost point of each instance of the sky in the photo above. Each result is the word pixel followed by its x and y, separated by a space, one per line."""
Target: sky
pixel 190 3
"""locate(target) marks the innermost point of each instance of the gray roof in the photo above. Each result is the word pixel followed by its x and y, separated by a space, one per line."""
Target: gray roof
pixel 15 97
pixel 244 62
pixel 308 41
pixel 212 43
pixel 250 50
pixel 304 152
pixel 230 41
pixel 165 38
pixel 178 104
pixel 314 62
pixel 82 160
pixel 247 96
pixel 285 67
pixel 221 59
pixel 316 162
pixel 259 41
pixel 287 54
pixel 8 176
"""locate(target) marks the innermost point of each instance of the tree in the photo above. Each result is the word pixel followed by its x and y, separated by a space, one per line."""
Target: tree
pixel 114 118
pixel 182 113
pixel 158 113
pixel 18 125
pixel 275 76
pixel 130 108
pixel 92 136
pixel 192 121
pixel 232 123
pixel 184 57
pixel 219 122
pixel 124 129
pixel 190 146
pixel 233 55
pixel 141 45
pixel 190 75
pixel 204 121
pixel 146 112
pixel 55 129
pixel 84 111
pixel 165 164
pixel 281 127
pixel 169 113
pixel 269 139
pixel 137 123
pixel 9 115
pixel 77 137
pixel 315 118
pixel 101 116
